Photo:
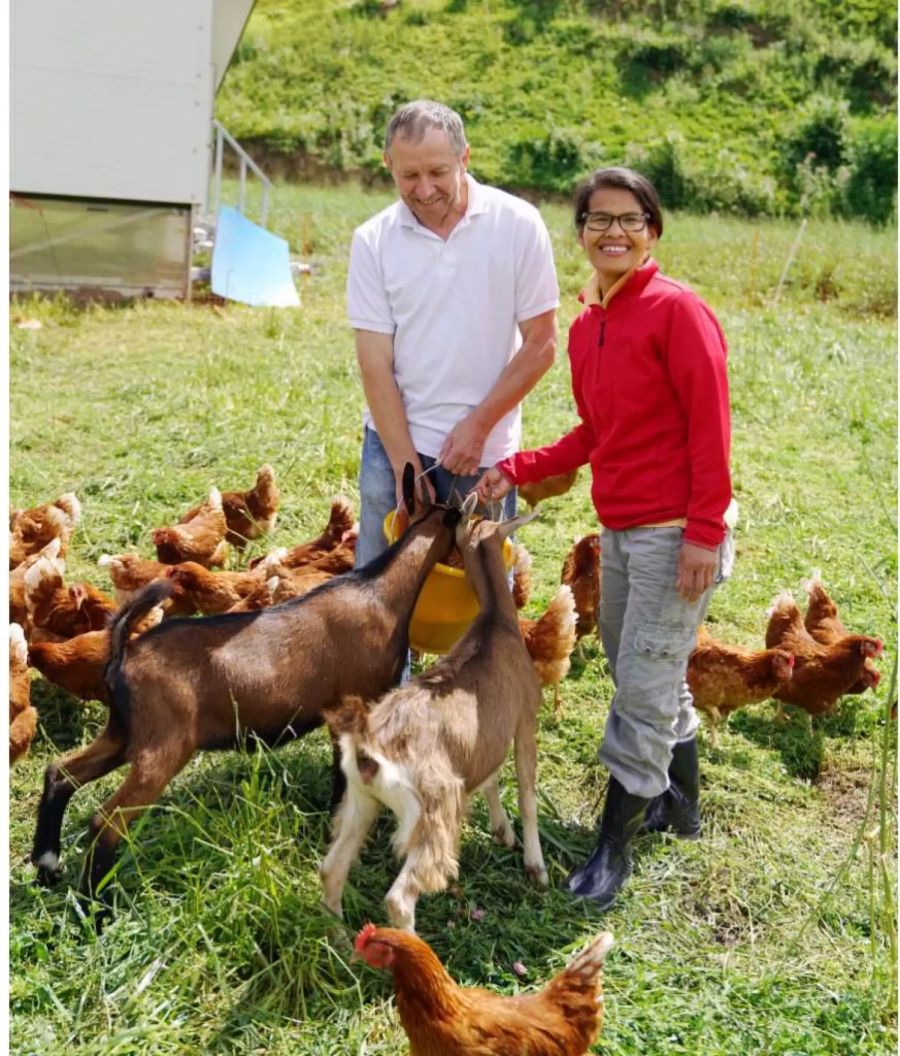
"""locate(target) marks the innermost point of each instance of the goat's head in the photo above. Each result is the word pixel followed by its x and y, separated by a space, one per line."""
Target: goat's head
pixel 472 531
pixel 418 505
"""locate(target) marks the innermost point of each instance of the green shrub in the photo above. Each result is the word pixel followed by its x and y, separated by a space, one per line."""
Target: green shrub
pixel 863 68
pixel 819 135
pixel 662 164
pixel 555 160
pixel 871 189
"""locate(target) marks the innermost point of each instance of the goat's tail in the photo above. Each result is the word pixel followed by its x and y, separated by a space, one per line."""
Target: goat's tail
pixel 349 716
pixel 120 631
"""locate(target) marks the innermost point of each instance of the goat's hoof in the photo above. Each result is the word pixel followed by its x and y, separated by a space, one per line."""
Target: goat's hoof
pixel 97 911
pixel 335 908
pixel 400 917
pixel 49 870
pixel 537 874
pixel 504 835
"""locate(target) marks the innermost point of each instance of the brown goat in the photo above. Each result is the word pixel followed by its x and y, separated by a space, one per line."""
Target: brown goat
pixel 214 681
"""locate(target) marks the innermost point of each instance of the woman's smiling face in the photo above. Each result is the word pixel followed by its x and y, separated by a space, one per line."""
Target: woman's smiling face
pixel 614 252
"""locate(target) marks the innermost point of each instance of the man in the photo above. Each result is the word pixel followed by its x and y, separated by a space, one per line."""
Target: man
pixel 452 294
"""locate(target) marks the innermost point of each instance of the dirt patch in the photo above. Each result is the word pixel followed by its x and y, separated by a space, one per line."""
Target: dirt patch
pixel 846 793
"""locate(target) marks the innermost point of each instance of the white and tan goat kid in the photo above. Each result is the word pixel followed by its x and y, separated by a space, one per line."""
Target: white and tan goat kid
pixel 424 748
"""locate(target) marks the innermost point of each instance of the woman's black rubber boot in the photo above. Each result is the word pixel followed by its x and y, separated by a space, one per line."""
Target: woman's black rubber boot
pixel 603 875
pixel 678 808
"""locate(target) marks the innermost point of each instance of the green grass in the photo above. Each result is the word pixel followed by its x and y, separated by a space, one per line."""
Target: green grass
pixel 755 107
pixel 774 934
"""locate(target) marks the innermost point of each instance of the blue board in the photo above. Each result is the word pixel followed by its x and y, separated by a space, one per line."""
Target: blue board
pixel 251 264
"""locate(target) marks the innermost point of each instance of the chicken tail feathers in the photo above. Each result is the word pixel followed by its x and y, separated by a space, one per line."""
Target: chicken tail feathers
pixel 589 962
pixel 781 603
pixel 814 582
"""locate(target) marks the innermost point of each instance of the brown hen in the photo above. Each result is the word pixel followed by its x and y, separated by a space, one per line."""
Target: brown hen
pixel 201 539
pixel 822 673
pixel 213 592
pixel 548 488
pixel 77 664
pixel 723 678
pixel 443 1019
pixel 22 715
pixel 825 625
pixel 581 571
pixel 340 521
pixel 248 514
pixel 31 530
pixel 551 639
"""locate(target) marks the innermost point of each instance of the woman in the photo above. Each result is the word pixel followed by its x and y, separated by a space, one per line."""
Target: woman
pixel 648 375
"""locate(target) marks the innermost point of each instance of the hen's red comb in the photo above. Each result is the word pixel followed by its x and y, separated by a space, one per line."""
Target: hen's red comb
pixel 367 932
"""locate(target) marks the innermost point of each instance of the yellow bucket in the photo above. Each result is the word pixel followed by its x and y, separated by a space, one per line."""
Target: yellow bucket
pixel 447 603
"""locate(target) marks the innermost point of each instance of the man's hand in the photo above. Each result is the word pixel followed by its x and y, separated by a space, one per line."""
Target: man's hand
pixel 493 485
pixel 696 570
pixel 464 446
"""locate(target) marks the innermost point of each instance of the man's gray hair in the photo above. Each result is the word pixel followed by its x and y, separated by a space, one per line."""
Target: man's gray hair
pixel 413 120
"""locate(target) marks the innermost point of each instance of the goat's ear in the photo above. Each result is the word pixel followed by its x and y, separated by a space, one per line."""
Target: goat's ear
pixel 508 527
pixel 409 488
pixel 424 494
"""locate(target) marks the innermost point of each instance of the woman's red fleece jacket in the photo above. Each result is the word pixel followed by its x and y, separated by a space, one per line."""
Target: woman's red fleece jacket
pixel 651 389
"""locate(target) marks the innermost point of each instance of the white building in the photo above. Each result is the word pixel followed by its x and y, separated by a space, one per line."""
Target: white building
pixel 112 141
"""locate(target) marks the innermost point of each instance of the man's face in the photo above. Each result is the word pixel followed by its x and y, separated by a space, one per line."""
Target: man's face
pixel 429 174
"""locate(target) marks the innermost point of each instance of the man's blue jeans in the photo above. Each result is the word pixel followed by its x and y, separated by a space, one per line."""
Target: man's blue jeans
pixel 378 494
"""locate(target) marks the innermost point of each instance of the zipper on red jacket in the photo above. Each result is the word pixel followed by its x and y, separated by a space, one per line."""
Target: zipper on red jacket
pixel 602 332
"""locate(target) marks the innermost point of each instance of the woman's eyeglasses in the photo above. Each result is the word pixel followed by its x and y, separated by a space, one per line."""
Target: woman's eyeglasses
pixel 604 221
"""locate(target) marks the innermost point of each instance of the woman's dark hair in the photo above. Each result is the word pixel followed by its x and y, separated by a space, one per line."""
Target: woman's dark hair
pixel 627 180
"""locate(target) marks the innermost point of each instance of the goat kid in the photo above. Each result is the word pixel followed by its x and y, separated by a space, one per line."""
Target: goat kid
pixel 212 682
pixel 425 747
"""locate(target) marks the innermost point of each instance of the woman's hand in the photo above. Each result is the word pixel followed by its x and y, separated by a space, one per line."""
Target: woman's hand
pixel 696 570
pixel 493 485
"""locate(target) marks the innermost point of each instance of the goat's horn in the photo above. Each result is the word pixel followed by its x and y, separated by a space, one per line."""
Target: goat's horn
pixel 468 505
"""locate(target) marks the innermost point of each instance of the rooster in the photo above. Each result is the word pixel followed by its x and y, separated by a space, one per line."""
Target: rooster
pixel 340 522
pixel 822 673
pixel 22 715
pixel 722 678
pixel 825 625
pixel 248 514
pixel 31 530
pixel 551 639
pixel 443 1019
pixel 548 488
pixel 581 571
pixel 201 539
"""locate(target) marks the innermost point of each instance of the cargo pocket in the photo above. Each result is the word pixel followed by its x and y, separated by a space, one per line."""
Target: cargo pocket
pixel 673 643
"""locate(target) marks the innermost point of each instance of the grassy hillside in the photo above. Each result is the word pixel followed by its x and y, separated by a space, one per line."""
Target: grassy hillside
pixel 747 106
pixel 774 935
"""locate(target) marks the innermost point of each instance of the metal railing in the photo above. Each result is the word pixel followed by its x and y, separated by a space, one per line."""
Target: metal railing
pixel 246 162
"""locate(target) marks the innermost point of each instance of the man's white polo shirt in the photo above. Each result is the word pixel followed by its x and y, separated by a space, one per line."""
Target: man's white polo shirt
pixel 452 306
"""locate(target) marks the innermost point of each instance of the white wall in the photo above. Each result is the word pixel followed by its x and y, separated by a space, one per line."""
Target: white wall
pixel 229 19
pixel 111 98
